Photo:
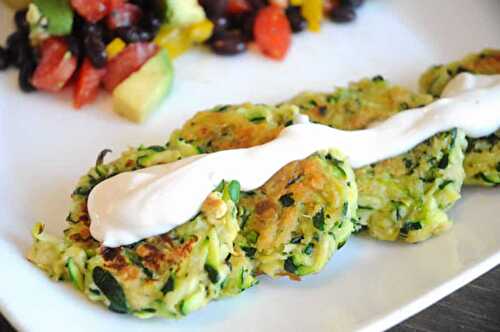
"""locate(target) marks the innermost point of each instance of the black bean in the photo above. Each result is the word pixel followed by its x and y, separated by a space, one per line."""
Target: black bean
pixel 4 59
pixel 243 22
pixel 221 24
pixel 74 45
pixel 145 35
pixel 17 47
pixel 229 43
pixel 214 8
pixel 352 3
pixel 140 3
pixel 17 39
pixel 134 34
pixel 90 29
pixel 24 54
pixel 95 50
pixel 20 19
pixel 257 4
pixel 25 74
pixel 78 26
pixel 108 35
pixel 247 28
pixel 150 5
pixel 151 22
pixel 11 56
pixel 343 14
pixel 297 22
pixel 236 21
pixel 128 34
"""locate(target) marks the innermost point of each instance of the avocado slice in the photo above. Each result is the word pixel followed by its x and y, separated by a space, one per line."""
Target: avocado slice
pixel 59 16
pixel 141 93
pixel 182 13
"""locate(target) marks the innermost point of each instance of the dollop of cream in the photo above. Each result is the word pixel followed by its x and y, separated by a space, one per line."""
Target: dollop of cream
pixel 134 205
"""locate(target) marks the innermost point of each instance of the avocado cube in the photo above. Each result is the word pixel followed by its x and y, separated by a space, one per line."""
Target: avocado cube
pixel 142 92
pixel 182 13
pixel 59 16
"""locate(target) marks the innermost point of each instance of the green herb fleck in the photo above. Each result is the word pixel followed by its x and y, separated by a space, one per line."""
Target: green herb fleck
pixel 257 119
pixel 156 148
pixel 136 260
pixel 309 249
pixel 213 274
pixel 290 265
pixel 169 285
pixel 443 163
pixel 338 171
pixel 222 108
pixel 404 106
pixel 297 239
pixel 287 200
pixel 220 187
pixel 319 220
pixel 100 157
pixel 410 226
pixel 234 191
pixel 249 251
pixel 345 208
pixel 108 285
pixel 252 236
pixel 444 184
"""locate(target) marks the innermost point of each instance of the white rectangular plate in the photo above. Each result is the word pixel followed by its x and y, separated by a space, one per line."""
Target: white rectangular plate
pixel 45 146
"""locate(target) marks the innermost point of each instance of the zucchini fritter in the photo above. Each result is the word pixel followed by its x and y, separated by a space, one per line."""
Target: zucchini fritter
pixel 216 254
pixel 232 127
pixel 482 159
pixel 358 105
pixel 405 197
pixel 434 80
pixel 295 222
pixel 408 183
pixel 169 275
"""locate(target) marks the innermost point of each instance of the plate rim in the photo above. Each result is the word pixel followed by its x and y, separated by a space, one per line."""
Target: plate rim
pixel 381 322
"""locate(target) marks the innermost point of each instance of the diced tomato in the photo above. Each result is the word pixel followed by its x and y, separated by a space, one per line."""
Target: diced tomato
pixel 87 84
pixel 126 62
pixel 112 4
pixel 124 15
pixel 272 32
pixel 91 10
pixel 56 66
pixel 238 6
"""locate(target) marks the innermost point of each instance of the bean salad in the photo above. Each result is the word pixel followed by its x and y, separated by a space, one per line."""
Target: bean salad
pixel 101 41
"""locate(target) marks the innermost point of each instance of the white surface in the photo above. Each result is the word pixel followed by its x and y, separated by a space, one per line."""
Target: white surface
pixel 45 146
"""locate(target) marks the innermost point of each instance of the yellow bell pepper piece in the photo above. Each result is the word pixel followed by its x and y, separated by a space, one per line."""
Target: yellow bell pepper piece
pixel 312 10
pixel 201 31
pixel 115 47
pixel 174 40
pixel 178 40
pixel 296 2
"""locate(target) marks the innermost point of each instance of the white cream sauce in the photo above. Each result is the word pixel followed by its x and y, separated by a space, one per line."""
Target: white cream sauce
pixel 134 205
